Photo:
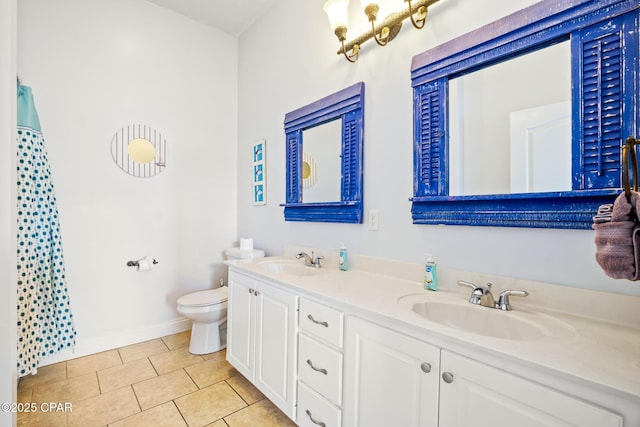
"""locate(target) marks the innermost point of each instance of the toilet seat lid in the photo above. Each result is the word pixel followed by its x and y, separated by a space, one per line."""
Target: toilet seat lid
pixel 208 297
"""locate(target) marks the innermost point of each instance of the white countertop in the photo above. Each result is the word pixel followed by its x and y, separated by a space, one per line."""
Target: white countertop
pixel 604 352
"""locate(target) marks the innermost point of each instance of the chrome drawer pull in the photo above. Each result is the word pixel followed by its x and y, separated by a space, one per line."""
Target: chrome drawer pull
pixel 320 423
pixel 321 370
pixel 325 324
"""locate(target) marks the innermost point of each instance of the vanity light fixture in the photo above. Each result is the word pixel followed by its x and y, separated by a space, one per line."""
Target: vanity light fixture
pixel 382 33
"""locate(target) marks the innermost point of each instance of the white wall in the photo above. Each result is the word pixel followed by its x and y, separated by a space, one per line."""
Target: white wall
pixel 8 330
pixel 96 66
pixel 287 60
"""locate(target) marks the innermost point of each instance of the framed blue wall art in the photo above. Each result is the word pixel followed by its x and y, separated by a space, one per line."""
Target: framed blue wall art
pixel 259 172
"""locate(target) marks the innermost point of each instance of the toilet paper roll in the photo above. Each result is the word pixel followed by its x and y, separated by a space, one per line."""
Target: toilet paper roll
pixel 246 244
pixel 144 264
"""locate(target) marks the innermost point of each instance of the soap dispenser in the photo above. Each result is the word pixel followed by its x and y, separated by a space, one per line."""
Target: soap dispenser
pixel 343 258
pixel 430 274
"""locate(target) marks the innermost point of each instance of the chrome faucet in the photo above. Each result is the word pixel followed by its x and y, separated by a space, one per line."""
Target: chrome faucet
pixel 482 295
pixel 503 300
pixel 310 261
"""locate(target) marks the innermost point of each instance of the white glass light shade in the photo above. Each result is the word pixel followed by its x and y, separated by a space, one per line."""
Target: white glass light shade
pixel 337 11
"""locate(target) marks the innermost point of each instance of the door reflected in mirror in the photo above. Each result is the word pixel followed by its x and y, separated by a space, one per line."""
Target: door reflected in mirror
pixel 321 162
pixel 510 125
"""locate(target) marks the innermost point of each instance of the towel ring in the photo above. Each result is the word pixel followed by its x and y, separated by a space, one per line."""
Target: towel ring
pixel 629 147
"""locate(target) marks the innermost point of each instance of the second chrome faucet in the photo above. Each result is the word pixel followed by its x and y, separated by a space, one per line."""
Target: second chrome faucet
pixel 481 295
pixel 310 260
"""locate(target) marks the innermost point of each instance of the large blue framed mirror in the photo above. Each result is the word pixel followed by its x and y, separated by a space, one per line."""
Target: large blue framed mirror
pixel 324 143
pixel 521 122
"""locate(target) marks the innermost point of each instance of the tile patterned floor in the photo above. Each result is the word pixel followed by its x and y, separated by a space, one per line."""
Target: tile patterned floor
pixel 154 383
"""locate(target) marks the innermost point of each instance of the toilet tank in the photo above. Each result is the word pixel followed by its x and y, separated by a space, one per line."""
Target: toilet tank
pixel 236 253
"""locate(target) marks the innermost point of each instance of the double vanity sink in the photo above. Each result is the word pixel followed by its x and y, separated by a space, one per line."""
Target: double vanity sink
pixel 444 308
pixel 555 345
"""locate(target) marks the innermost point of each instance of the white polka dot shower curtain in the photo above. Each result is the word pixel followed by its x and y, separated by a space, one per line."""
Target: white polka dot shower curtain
pixel 45 321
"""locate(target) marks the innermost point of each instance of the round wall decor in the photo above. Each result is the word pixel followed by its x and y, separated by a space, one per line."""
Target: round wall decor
pixel 139 150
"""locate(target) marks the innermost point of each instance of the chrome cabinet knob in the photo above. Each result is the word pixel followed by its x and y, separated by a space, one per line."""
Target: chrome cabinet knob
pixel 426 367
pixel 447 377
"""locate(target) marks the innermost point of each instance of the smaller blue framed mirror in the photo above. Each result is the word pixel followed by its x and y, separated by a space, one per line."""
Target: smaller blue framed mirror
pixel 324 146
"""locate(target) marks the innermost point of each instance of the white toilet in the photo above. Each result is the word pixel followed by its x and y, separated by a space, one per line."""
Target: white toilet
pixel 208 311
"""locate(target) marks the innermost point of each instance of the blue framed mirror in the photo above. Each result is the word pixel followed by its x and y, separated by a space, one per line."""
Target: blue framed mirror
pixel 324 145
pixel 561 81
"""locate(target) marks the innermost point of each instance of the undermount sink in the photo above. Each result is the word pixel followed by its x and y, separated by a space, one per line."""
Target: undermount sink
pixel 481 320
pixel 292 268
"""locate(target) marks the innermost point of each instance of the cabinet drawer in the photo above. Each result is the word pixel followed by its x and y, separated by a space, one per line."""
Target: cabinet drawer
pixel 314 410
pixel 320 367
pixel 321 321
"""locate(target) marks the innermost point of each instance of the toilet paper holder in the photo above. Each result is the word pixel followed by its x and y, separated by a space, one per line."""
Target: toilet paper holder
pixel 136 263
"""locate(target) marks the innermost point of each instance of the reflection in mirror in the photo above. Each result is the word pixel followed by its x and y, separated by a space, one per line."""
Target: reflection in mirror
pixel 321 160
pixel 510 125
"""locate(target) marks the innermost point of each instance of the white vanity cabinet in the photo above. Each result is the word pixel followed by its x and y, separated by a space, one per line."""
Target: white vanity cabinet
pixel 320 365
pixel 391 379
pixel 394 379
pixel 474 394
pixel 337 350
pixel 261 337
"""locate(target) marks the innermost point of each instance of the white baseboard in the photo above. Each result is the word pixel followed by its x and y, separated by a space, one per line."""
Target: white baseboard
pixel 96 344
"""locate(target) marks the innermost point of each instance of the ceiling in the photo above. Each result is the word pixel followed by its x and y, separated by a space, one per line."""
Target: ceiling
pixel 230 16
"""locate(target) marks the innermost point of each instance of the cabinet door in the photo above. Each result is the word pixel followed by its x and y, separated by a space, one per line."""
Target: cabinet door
pixel 478 395
pixel 276 343
pixel 240 324
pixel 390 379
